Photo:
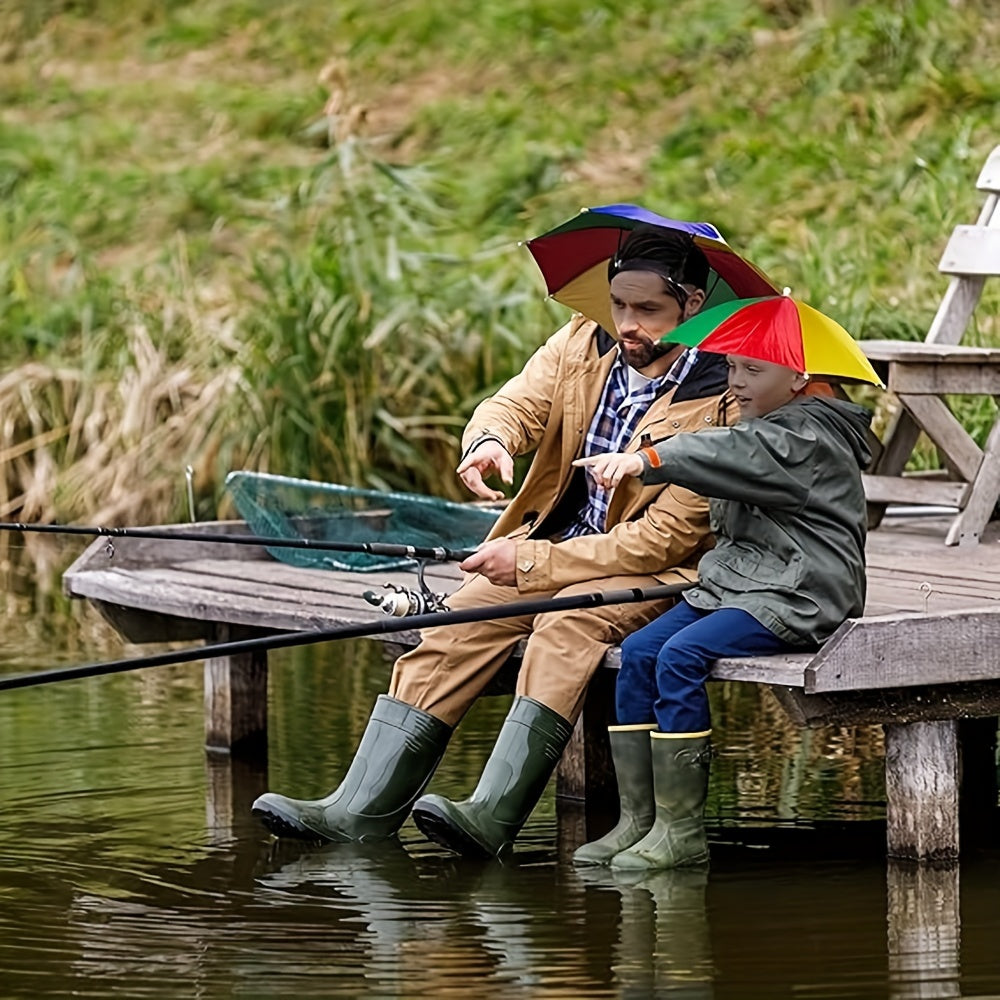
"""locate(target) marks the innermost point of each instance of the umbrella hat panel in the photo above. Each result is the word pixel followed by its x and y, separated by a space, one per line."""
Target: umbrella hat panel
pixel 573 259
pixel 827 343
pixel 626 217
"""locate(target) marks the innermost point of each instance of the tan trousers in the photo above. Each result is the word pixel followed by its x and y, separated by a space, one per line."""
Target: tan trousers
pixel 452 664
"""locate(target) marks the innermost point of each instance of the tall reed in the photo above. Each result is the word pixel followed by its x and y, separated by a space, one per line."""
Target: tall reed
pixel 355 358
pixel 369 348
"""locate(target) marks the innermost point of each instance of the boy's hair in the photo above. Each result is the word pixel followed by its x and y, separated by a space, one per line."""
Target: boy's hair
pixel 671 254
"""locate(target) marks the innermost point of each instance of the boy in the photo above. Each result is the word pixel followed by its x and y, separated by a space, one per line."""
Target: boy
pixel 788 510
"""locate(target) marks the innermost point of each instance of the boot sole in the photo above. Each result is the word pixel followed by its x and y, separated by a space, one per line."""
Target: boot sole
pixel 650 865
pixel 283 825
pixel 585 862
pixel 434 824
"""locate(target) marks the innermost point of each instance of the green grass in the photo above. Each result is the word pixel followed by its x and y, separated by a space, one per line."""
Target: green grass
pixel 330 295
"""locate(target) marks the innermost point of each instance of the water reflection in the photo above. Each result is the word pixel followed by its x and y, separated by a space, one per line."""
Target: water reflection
pixel 439 925
pixel 663 942
pixel 129 864
pixel 526 930
pixel 924 931
pixel 232 782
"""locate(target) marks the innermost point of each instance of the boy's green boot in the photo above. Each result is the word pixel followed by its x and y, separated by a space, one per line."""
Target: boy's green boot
pixel 630 751
pixel 680 785
pixel 398 753
pixel 530 744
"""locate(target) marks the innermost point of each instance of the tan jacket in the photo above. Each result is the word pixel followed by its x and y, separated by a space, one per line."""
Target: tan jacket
pixel 652 530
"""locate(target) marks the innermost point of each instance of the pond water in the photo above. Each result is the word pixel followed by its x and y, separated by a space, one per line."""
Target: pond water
pixel 129 864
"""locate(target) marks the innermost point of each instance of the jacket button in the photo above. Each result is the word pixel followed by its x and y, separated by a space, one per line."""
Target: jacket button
pixel 677 423
pixel 526 566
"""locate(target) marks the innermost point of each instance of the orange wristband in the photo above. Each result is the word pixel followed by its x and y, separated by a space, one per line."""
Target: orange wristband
pixel 652 457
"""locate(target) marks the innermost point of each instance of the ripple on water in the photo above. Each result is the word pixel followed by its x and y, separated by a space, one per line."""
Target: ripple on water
pixel 129 865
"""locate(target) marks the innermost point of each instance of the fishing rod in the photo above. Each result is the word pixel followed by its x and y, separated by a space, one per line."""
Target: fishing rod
pixel 427 553
pixel 360 630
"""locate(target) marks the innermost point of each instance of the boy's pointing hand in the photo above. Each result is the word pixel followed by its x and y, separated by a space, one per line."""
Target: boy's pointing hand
pixel 610 470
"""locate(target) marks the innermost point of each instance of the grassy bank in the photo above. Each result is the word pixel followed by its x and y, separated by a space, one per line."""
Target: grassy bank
pixel 284 236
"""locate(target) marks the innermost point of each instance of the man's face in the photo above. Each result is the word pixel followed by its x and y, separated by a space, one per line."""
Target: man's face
pixel 760 387
pixel 644 312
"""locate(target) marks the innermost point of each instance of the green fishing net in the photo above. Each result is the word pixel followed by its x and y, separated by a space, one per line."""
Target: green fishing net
pixel 281 507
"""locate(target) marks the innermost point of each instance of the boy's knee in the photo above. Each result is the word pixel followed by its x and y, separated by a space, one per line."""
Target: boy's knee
pixel 680 656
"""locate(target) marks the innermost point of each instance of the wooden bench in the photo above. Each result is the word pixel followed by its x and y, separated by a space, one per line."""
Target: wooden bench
pixel 922 374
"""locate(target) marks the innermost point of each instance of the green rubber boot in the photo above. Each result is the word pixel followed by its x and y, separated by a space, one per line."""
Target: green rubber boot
pixel 630 751
pixel 485 825
pixel 398 753
pixel 680 785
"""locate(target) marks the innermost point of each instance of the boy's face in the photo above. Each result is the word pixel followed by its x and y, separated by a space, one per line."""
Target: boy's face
pixel 760 386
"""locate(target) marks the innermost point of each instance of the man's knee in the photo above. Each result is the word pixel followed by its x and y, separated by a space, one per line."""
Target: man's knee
pixel 565 628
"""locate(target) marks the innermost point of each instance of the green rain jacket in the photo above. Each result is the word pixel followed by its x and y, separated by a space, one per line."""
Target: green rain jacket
pixel 788 512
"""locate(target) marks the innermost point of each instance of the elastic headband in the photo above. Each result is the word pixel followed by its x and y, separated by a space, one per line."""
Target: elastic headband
pixel 674 287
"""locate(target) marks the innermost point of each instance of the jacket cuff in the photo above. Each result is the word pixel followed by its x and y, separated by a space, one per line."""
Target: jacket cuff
pixel 488 436
pixel 530 565
pixel 650 461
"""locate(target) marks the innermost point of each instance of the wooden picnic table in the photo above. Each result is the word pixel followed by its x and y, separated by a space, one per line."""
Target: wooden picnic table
pixel 923 375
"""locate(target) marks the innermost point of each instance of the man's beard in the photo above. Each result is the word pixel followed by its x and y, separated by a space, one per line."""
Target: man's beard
pixel 643 354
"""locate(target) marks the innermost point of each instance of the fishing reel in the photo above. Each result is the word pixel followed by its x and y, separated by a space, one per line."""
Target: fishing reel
pixel 401 602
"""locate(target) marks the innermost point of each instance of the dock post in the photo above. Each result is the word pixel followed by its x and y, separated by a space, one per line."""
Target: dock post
pixel 922 776
pixel 585 778
pixel 585 770
pixel 235 700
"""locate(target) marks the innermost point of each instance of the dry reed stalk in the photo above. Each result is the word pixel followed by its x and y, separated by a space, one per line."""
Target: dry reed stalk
pixel 111 450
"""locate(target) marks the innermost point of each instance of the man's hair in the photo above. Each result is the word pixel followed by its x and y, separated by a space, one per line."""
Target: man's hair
pixel 669 253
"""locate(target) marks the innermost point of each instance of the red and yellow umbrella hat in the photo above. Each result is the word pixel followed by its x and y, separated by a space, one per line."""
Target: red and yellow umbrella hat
pixel 781 330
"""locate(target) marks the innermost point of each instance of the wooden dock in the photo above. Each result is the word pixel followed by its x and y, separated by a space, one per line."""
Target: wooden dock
pixel 924 661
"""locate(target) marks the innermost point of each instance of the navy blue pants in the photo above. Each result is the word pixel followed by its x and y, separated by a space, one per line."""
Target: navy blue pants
pixel 665 665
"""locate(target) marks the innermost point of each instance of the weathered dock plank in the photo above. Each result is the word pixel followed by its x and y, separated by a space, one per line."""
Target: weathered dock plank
pixel 909 650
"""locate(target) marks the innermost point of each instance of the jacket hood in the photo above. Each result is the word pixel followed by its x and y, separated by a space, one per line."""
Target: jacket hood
pixel 848 420
pixel 709 376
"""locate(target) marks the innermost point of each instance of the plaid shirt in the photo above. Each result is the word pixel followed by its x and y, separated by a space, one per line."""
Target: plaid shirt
pixel 614 423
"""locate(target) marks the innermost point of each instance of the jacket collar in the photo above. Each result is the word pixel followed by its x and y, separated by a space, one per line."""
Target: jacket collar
pixel 708 375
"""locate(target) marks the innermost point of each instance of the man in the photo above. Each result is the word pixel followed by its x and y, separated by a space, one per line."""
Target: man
pixel 580 394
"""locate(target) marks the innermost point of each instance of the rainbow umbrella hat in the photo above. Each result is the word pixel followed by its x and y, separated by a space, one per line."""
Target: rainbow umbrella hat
pixel 781 330
pixel 573 259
